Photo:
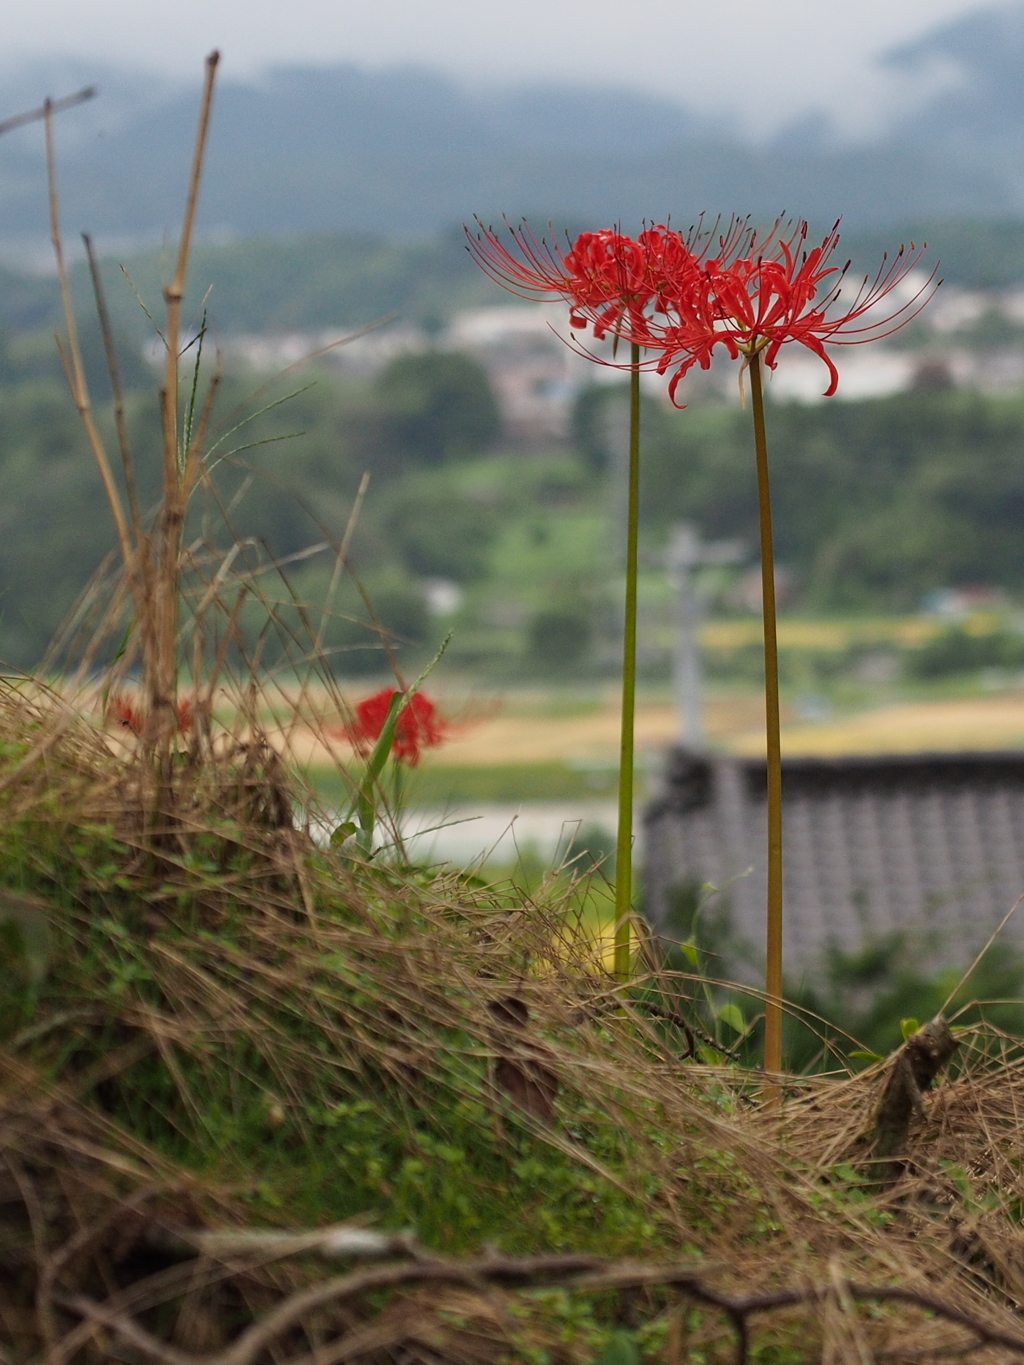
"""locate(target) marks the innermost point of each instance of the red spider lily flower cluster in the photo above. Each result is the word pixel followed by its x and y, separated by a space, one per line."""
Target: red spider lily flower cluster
pixel 666 293
pixel 126 712
pixel 775 293
pixel 610 281
pixel 417 727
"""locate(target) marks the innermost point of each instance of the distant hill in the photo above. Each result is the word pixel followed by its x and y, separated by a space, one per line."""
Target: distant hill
pixel 409 153
pixel 976 113
pixel 273 285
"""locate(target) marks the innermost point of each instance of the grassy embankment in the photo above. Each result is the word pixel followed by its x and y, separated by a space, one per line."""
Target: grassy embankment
pixel 211 1022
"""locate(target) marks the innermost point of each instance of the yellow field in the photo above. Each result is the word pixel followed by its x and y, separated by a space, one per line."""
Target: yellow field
pixel 542 726
pixel 838 634
pixel 736 725
pixel 913 727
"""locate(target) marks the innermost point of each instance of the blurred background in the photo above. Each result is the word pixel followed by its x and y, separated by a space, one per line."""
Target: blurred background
pixel 348 148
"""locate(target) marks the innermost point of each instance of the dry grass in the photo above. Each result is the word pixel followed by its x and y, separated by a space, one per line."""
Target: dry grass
pixel 235 1027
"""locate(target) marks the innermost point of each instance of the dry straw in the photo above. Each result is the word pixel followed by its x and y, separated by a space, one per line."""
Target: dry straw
pixel 316 984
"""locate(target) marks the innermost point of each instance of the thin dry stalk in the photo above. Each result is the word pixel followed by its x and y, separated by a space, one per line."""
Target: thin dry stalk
pixel 178 464
pixel 8 125
pixel 71 357
pixel 151 557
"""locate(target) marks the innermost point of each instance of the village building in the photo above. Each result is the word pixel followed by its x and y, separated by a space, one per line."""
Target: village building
pixel 929 846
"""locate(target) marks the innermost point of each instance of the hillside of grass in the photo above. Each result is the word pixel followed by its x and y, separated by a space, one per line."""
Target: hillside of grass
pixel 210 1024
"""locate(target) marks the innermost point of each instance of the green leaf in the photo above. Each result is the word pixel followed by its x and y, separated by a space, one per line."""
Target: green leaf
pixel 344 831
pixel 689 951
pixel 909 1026
pixel 620 1349
pixel 191 411
pixel 862 1055
pixel 844 1171
pixel 123 646
pixel 385 740
pixel 366 806
pixel 251 417
pixel 709 1055
pixel 733 1016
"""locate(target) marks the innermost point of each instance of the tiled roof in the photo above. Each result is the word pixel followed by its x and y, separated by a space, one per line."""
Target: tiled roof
pixel 928 842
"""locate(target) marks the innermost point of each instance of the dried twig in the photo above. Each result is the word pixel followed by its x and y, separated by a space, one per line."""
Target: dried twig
pixel 114 370
pixel 177 471
pixel 71 356
pixel 8 125
pixel 584 1273
pixel 342 1241
pixel 913 1068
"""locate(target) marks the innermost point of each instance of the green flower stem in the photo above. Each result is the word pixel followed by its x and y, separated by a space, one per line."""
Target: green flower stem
pixel 624 842
pixel 773 970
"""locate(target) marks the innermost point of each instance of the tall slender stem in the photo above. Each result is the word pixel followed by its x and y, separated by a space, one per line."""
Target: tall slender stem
pixel 773 970
pixel 164 676
pixel 624 842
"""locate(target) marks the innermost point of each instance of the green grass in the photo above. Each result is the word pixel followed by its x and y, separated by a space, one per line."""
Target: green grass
pixel 437 785
pixel 320 1074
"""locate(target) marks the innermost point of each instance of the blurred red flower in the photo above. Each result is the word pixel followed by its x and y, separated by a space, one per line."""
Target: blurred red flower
pixel 127 712
pixel 418 725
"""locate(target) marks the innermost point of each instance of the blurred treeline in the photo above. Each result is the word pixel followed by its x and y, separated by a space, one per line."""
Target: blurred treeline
pixel 350 279
pixel 274 284
pixel 876 502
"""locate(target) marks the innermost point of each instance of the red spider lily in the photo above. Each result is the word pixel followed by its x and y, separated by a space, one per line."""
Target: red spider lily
pixel 758 302
pixel 608 278
pixel 599 276
pixel 127 712
pixel 753 304
pixel 418 725
pixel 610 281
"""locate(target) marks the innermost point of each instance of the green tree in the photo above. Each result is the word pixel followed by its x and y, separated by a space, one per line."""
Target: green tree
pixel 436 406
pixel 437 530
pixel 875 502
pixel 592 423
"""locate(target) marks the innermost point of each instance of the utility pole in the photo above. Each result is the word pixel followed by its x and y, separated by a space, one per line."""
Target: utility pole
pixel 686 554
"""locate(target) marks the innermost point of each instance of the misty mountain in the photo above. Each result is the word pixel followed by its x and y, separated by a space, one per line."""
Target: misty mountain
pixel 976 111
pixel 406 152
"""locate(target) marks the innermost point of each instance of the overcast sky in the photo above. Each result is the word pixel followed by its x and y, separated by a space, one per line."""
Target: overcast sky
pixel 761 61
